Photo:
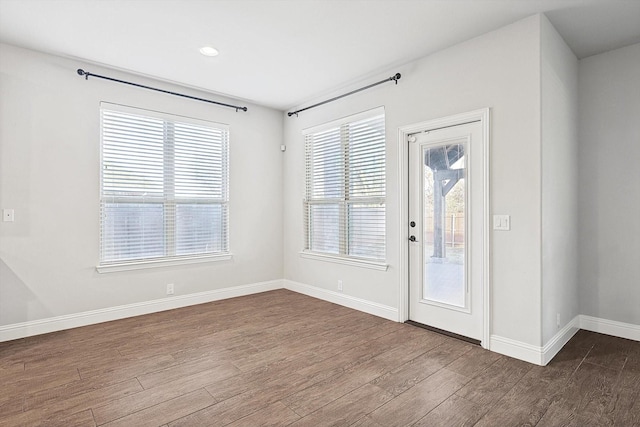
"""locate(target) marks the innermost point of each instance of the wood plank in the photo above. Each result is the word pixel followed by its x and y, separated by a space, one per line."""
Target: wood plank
pixel 11 405
pixel 125 369
pixel 261 376
pixel 78 395
pixel 90 359
pixel 406 376
pixel 366 421
pixel 494 382
pixel 151 397
pixel 416 342
pixel 272 355
pixel 583 339
pixel 10 369
pixel 50 406
pixel 166 411
pixel 174 372
pixel 608 351
pixel 347 409
pixel 474 362
pixel 524 404
pixel 79 419
pixel 328 343
pixel 454 411
pixel 563 364
pixel 633 360
pixel 419 400
pixel 41 379
pixel 585 398
pixel 326 391
pixel 345 342
pixel 356 355
pixel 242 405
pixel 274 415
pixel 224 346
pixel 528 401
pixel 624 407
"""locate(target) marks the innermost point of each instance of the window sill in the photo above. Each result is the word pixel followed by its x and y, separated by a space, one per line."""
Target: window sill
pixel 139 265
pixel 356 262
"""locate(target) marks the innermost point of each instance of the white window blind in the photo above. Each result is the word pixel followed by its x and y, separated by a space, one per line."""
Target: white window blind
pixel 164 186
pixel 344 206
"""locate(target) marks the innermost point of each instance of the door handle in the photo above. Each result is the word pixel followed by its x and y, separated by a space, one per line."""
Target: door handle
pixel 413 238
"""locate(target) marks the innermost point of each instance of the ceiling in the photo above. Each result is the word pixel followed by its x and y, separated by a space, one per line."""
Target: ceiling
pixel 283 53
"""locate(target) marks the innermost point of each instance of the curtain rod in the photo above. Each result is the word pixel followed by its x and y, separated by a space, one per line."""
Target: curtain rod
pixel 86 75
pixel 393 78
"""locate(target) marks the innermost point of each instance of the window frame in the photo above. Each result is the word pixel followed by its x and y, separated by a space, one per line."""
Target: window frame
pixel 344 201
pixel 168 199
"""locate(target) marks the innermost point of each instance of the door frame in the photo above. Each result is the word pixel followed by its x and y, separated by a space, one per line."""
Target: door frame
pixel 483 115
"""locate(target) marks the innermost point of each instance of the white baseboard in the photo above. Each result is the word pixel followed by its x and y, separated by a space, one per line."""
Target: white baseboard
pixel 610 327
pixel 380 310
pixel 69 321
pixel 58 323
pixel 555 344
pixel 516 349
pixel 519 350
pixel 532 353
pixel 543 355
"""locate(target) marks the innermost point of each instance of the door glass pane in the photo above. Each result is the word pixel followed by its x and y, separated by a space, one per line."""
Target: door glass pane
pixel 444 224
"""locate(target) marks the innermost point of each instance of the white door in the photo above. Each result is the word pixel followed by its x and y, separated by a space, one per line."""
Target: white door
pixel 446 220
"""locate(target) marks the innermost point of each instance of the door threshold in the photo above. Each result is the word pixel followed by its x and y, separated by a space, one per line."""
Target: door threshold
pixel 443 332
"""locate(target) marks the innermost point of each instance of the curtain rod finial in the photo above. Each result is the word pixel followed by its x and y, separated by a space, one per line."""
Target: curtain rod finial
pixel 84 73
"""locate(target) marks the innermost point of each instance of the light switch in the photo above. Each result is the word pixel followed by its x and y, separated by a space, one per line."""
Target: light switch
pixel 8 215
pixel 502 222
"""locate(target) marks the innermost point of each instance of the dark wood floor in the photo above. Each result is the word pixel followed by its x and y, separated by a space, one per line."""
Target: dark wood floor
pixel 280 358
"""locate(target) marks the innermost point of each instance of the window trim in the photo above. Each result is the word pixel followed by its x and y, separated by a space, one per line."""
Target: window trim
pixel 170 259
pixel 141 265
pixel 346 260
pixel 343 258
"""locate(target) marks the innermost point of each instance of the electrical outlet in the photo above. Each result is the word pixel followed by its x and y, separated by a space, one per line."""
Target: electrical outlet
pixel 558 320
pixel 170 289
pixel 340 285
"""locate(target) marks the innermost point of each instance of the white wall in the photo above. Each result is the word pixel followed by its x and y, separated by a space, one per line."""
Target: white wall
pixel 49 172
pixel 500 70
pixel 49 160
pixel 609 185
pixel 559 145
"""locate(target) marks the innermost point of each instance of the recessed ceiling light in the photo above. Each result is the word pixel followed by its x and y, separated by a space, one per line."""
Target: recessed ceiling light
pixel 209 51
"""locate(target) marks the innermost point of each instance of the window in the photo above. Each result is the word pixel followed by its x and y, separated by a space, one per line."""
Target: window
pixel 164 187
pixel 344 206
